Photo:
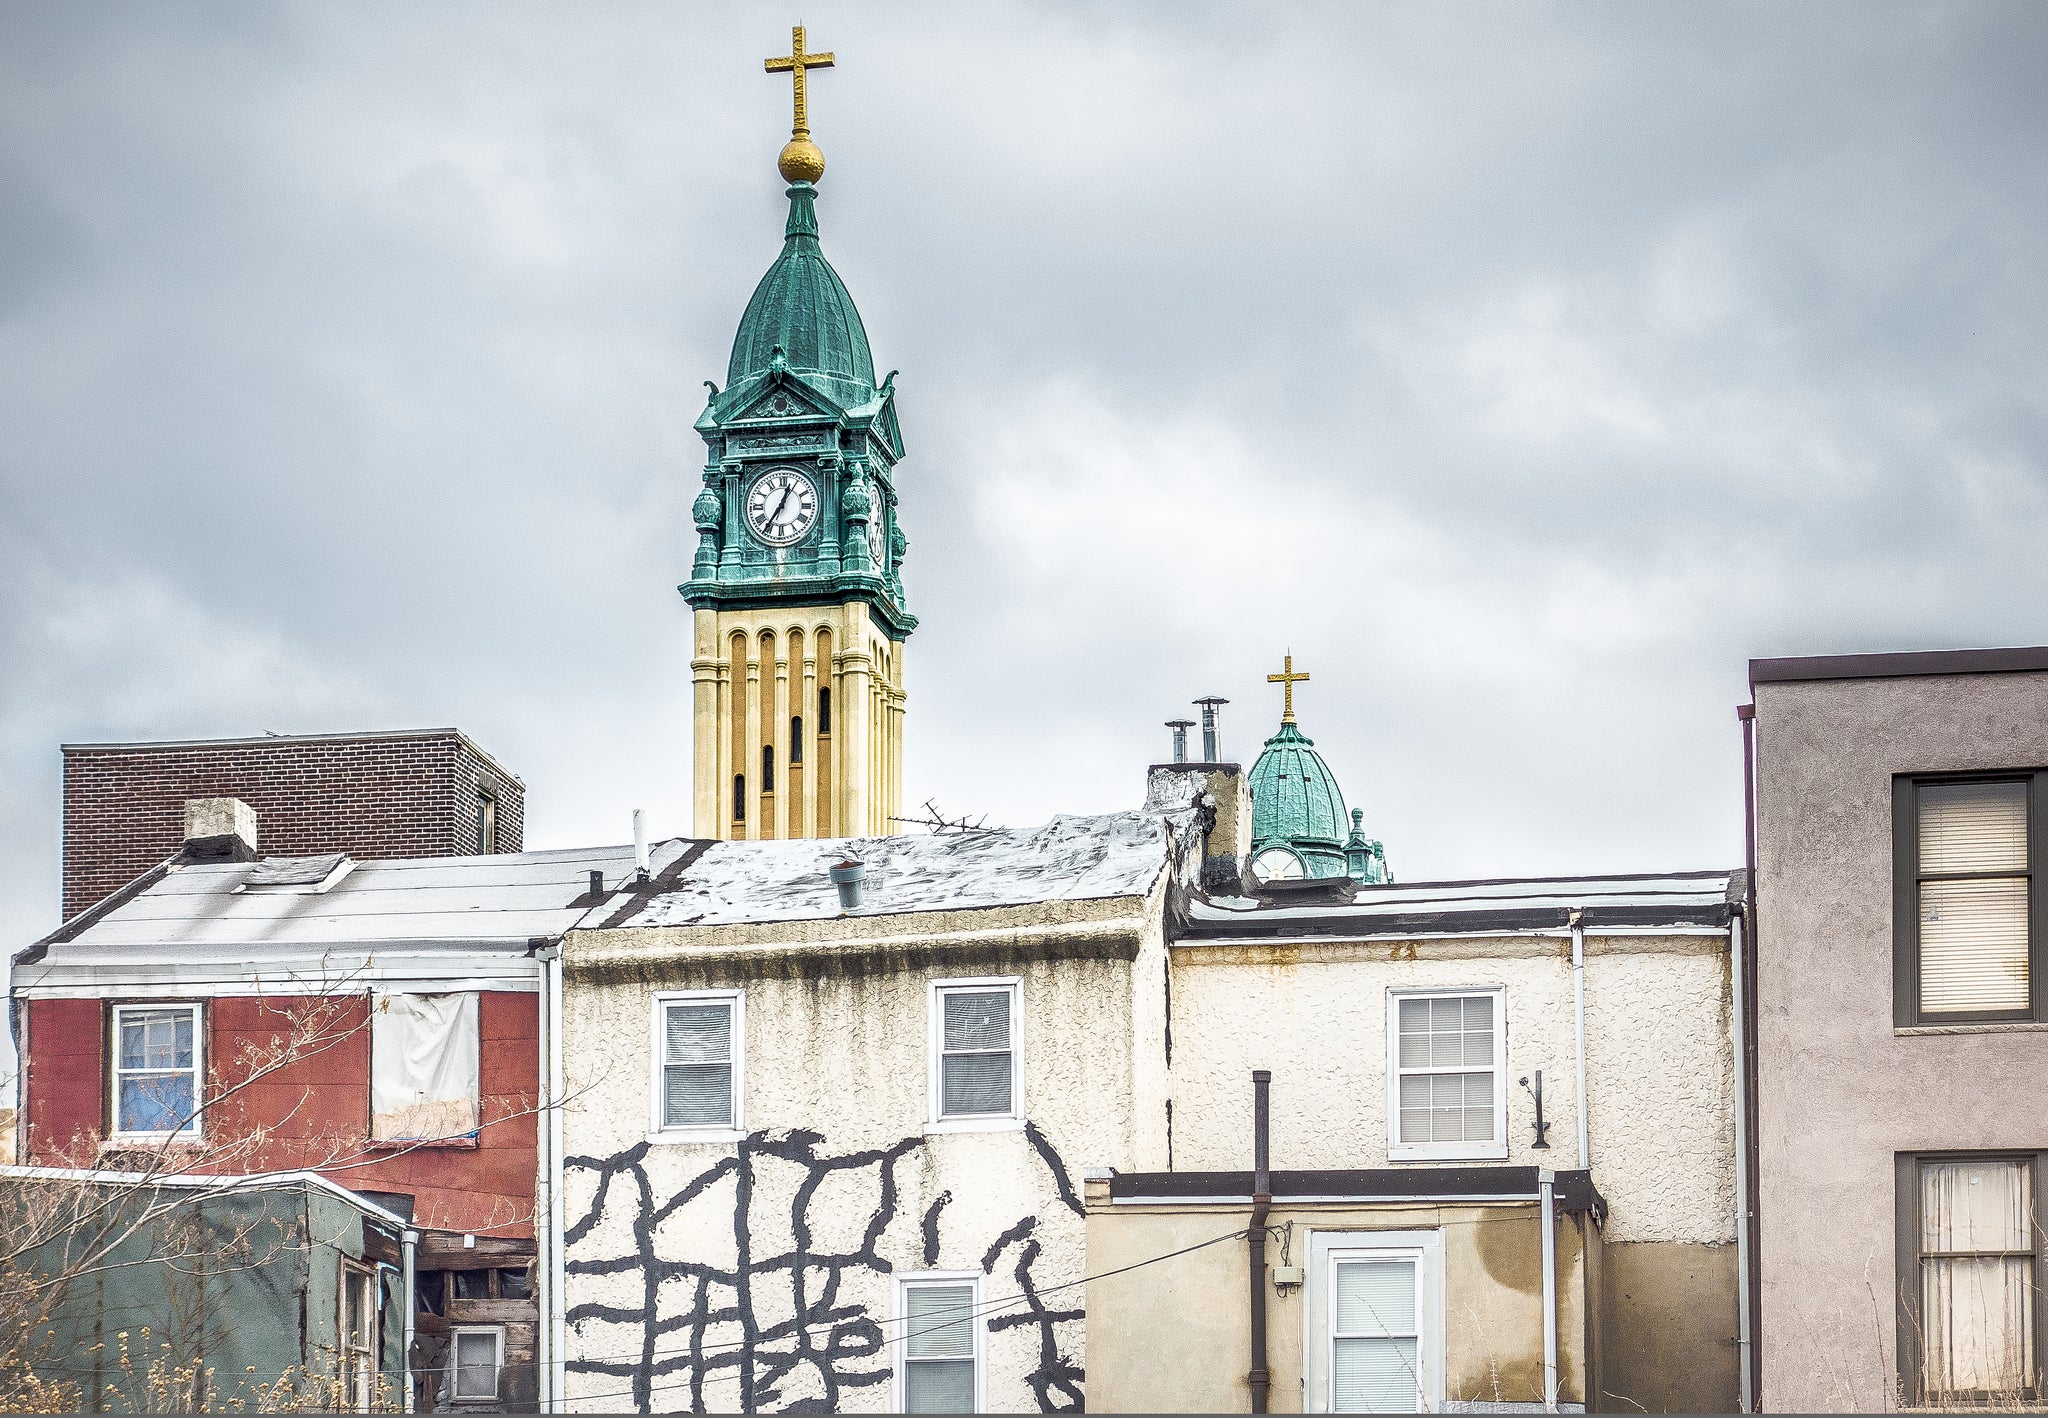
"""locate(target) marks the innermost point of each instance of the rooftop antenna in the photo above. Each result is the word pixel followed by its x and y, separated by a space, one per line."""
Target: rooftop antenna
pixel 1180 729
pixel 1212 736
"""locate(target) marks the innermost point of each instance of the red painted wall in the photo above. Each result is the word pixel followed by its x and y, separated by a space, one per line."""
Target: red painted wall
pixel 316 1107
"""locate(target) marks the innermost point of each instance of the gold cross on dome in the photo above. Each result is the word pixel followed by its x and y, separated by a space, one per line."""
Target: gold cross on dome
pixel 1287 679
pixel 796 62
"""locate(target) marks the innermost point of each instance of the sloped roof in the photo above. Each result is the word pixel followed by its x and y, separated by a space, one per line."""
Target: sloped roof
pixel 1066 859
pixel 251 916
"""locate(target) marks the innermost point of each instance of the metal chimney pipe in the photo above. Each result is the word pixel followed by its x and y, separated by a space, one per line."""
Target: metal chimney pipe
pixel 1212 736
pixel 640 844
pixel 1180 729
pixel 849 876
pixel 1262 1204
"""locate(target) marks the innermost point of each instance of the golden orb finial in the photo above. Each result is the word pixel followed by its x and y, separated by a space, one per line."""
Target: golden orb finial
pixel 800 160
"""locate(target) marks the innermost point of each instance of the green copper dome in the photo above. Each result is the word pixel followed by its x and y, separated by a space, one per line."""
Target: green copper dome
pixel 1296 803
pixel 802 308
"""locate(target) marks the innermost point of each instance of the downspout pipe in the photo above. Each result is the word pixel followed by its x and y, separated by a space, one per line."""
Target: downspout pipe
pixel 543 1221
pixel 1546 1200
pixel 553 1307
pixel 1746 1102
pixel 1262 1205
pixel 1579 1038
pixel 409 1244
pixel 1742 1334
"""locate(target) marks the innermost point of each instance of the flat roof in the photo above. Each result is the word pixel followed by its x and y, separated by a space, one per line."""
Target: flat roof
pixel 1899 665
pixel 351 736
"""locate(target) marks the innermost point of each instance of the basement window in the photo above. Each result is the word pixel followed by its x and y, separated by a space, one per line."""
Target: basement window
pixel 476 1354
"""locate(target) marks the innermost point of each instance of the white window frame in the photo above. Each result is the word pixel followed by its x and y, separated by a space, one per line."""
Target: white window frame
pixel 1326 1249
pixel 1494 1151
pixel 361 1368
pixel 935 1011
pixel 657 1128
pixel 497 1333
pixel 899 1342
pixel 195 1128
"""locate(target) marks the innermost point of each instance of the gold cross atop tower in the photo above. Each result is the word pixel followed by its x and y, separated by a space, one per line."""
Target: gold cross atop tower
pixel 1287 679
pixel 800 161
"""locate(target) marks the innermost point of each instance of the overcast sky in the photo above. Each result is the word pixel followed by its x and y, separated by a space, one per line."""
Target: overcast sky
pixel 1525 370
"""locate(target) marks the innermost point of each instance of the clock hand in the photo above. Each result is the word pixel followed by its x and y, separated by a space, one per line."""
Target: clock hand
pixel 780 503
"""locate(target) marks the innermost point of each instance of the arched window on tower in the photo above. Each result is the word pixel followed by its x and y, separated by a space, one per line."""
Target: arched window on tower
pixel 824 712
pixel 796 740
pixel 739 797
pixel 767 768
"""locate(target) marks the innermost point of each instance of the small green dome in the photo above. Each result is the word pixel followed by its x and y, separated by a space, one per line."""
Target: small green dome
pixel 803 309
pixel 1296 803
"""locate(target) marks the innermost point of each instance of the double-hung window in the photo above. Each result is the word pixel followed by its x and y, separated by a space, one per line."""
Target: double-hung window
pixel 359 1337
pixel 977 1075
pixel 699 1038
pixel 1970 1276
pixel 938 1344
pixel 1375 1322
pixel 1446 1051
pixel 159 1062
pixel 1969 903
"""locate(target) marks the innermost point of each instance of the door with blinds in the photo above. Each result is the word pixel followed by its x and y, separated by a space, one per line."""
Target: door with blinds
pixel 1375 1322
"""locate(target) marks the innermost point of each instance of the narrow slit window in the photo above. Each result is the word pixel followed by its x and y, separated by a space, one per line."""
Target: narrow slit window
pixel 796 740
pixel 739 797
pixel 767 768
pixel 824 713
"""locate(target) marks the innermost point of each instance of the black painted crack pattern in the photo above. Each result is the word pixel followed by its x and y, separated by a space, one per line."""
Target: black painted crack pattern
pixel 773 1332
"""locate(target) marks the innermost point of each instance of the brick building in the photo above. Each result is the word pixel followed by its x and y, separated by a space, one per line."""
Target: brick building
pixel 398 793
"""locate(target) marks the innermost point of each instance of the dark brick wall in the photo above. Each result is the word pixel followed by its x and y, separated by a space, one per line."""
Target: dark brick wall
pixel 370 795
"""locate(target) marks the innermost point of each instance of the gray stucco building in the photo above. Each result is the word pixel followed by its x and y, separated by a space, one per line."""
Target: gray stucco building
pixel 1901 1027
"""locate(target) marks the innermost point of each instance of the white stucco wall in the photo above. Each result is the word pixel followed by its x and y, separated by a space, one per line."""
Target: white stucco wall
pixel 831 1192
pixel 1659 1061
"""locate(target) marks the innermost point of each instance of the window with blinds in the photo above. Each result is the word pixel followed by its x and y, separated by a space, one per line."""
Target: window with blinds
pixel 697 1040
pixel 1375 1322
pixel 1969 1285
pixel 1966 900
pixel 938 1344
pixel 1444 1075
pixel 975 1072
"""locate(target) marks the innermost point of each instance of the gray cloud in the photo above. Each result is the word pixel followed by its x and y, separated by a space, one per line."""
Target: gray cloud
pixel 1523 369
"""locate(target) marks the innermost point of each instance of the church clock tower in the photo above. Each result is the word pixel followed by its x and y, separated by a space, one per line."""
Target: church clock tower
pixel 797 591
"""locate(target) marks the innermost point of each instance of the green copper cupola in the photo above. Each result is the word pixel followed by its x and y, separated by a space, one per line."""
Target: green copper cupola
pixel 1300 827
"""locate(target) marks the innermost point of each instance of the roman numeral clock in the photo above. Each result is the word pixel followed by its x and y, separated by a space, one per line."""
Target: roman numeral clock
pixel 796 591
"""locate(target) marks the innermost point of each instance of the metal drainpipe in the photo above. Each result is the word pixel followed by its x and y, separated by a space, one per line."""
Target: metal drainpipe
pixel 556 1378
pixel 1262 1204
pixel 408 1243
pixel 544 1217
pixel 1579 1037
pixel 1546 1198
pixel 1742 1337
pixel 1746 1102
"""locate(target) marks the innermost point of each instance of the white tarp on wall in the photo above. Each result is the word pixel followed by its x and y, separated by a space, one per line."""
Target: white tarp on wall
pixel 423 1066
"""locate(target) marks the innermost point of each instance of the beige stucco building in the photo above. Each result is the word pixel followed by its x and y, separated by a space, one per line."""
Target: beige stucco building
pixel 1342 995
pixel 1902 1031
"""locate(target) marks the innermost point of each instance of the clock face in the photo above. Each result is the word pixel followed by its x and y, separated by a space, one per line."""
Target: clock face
pixel 878 541
pixel 782 506
pixel 1276 864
